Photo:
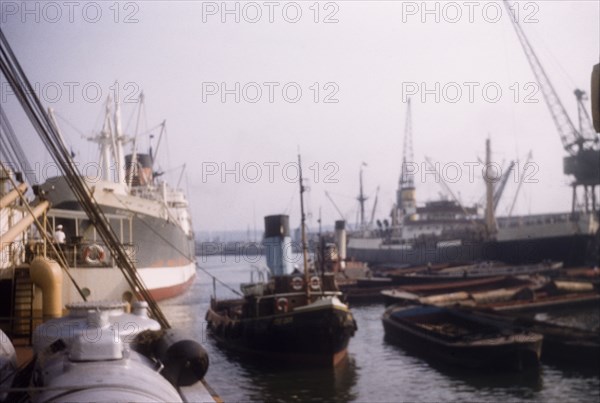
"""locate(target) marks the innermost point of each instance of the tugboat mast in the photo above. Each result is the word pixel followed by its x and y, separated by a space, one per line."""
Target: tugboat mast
pixel 303 226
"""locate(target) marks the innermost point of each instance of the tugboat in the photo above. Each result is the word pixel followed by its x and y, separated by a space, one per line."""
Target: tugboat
pixel 293 317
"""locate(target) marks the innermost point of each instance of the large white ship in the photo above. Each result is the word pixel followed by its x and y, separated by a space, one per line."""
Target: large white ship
pixel 150 218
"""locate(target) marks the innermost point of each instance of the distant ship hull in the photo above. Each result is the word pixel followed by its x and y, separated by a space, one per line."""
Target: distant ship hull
pixel 572 250
pixel 417 255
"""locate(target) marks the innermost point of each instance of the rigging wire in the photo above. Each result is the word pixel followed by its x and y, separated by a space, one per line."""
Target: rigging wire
pixel 217 280
pixel 71 125
pixel 6 151
pixel 20 157
pixel 290 204
pixel 566 76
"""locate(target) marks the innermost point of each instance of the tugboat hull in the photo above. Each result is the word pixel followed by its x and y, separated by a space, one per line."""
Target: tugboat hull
pixel 310 335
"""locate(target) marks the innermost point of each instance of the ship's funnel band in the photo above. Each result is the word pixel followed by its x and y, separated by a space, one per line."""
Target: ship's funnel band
pixel 139 169
pixel 277 226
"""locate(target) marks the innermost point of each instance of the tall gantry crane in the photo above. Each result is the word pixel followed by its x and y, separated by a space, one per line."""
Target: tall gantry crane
pixel 582 144
pixel 362 198
pixel 406 199
pixel 407 178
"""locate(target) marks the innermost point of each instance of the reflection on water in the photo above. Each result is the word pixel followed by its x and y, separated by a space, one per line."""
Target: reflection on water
pixel 517 384
pixel 300 385
pixel 585 318
pixel 375 371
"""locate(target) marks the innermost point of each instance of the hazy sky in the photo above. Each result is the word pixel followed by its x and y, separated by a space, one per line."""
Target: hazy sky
pixel 329 78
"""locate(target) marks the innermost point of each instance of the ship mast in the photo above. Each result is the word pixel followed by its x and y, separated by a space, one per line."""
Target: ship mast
pixel 303 226
pixel 490 219
pixel 134 167
pixel 105 141
pixel 118 140
pixel 109 139
pixel 362 198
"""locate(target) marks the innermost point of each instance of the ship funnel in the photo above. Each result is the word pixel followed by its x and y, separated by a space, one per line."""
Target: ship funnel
pixel 278 244
pixel 340 242
pixel 138 169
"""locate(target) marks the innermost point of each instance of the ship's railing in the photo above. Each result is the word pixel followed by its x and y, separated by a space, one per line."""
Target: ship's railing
pixel 291 296
pixel 82 246
pixel 148 192
pixel 81 254
pixel 538 219
pixel 302 294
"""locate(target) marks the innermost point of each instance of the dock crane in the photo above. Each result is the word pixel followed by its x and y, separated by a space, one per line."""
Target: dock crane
pixel 499 189
pixel 499 186
pixel 582 144
pixel 521 180
pixel 362 198
pixel 374 208
pixel 406 201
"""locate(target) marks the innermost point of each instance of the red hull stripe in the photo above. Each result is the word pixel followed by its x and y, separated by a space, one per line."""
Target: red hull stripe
pixel 172 291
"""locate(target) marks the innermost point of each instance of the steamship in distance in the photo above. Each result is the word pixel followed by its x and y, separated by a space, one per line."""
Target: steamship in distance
pixel 443 231
pixel 443 234
pixel 151 219
pixel 424 235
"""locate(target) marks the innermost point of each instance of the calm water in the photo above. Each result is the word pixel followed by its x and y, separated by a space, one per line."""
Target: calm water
pixel 375 370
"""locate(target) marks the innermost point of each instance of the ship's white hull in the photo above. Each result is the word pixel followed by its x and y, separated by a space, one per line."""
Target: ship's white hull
pixel 108 283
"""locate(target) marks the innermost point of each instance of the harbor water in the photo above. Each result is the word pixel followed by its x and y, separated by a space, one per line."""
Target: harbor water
pixel 375 370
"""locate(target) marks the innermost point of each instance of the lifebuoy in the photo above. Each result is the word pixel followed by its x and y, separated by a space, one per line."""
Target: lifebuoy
pixel 93 254
pixel 315 283
pixel 297 283
pixel 282 304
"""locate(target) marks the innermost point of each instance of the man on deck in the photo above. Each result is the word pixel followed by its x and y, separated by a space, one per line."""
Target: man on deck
pixel 59 235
